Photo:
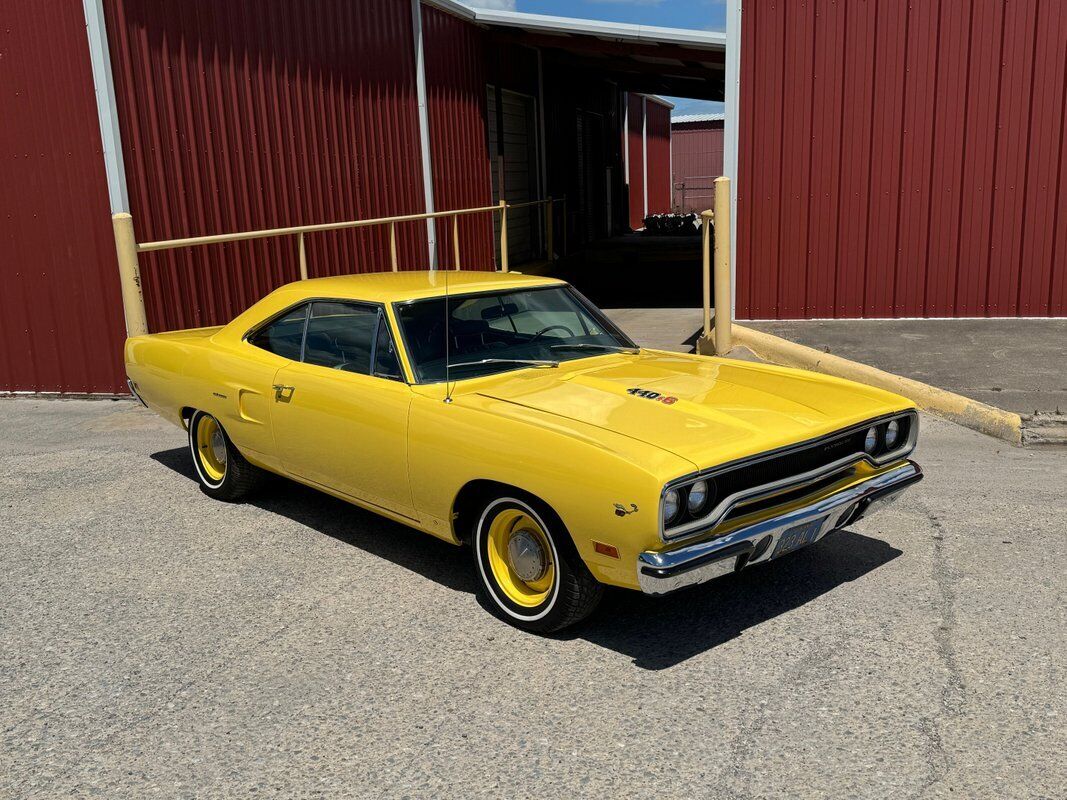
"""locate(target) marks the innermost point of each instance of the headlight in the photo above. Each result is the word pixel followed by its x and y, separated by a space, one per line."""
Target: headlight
pixel 698 497
pixel 870 443
pixel 672 505
pixel 892 434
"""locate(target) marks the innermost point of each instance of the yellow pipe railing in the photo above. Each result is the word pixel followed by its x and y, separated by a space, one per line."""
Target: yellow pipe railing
pixel 723 301
pixel 127 246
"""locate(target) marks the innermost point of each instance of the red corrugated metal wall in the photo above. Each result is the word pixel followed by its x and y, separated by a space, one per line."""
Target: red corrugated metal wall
pixel 60 308
pixel 634 123
pixel 696 158
pixel 455 97
pixel 658 151
pixel 901 160
pixel 257 114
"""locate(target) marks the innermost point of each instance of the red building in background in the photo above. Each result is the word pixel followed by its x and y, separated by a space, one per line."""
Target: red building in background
pixel 647 156
pixel 900 159
pixel 204 117
pixel 696 160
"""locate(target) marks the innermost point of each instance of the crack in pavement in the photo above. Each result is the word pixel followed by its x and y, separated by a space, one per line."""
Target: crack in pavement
pixel 953 692
pixel 739 761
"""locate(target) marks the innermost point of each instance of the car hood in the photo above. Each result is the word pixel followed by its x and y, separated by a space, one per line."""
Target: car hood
pixel 705 410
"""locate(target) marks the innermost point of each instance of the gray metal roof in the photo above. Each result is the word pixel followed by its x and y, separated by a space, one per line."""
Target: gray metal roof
pixel 698 118
pixel 708 40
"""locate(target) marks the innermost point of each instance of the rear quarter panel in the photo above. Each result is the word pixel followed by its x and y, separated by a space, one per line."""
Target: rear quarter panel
pixel 158 366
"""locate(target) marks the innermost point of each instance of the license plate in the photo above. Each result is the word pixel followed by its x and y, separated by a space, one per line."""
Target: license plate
pixel 800 536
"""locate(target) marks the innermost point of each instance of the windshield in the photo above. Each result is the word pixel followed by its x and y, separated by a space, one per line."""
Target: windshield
pixel 501 331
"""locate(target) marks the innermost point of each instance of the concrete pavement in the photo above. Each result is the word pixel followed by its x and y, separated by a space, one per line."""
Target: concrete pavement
pixel 1019 365
pixel 154 642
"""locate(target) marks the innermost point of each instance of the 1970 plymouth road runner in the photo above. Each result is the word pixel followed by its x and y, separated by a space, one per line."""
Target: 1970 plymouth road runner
pixel 524 424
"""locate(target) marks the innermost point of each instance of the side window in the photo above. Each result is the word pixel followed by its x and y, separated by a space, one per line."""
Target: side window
pixel 340 335
pixel 283 336
pixel 386 363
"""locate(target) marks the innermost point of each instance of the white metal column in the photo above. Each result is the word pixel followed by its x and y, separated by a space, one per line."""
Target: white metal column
pixel 644 150
pixel 106 110
pixel 424 129
pixel 732 126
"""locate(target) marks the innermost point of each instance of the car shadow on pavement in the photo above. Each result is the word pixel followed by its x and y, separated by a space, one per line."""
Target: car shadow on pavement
pixel 660 632
pixel 656 632
pixel 437 560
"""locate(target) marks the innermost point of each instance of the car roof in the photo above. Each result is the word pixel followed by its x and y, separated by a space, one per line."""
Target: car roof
pixel 395 287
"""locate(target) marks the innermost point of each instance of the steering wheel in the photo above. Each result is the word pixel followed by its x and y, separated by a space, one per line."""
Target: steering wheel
pixel 543 331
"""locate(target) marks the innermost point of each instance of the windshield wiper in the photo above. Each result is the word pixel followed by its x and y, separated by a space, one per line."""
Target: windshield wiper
pixel 592 346
pixel 530 362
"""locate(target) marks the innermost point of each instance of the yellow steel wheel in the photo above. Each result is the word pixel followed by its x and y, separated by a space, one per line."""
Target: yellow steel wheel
pixel 520 557
pixel 211 448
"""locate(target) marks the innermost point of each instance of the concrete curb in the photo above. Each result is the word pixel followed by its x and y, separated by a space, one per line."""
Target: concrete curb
pixel 956 408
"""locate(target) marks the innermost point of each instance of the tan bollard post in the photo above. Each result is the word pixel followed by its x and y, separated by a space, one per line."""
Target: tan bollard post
pixel 503 236
pixel 723 300
pixel 129 275
pixel 705 232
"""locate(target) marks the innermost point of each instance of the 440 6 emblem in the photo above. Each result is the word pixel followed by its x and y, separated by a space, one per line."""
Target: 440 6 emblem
pixel 666 399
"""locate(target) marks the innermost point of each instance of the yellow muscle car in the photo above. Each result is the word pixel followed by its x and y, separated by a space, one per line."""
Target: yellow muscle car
pixel 515 418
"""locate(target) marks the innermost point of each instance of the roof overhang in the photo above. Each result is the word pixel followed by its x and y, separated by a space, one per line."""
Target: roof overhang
pixel 640 58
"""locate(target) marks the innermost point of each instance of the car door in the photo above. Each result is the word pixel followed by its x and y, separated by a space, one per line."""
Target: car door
pixel 250 372
pixel 340 414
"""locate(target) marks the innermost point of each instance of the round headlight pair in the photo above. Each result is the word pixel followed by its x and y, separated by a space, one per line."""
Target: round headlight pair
pixel 890 436
pixel 696 499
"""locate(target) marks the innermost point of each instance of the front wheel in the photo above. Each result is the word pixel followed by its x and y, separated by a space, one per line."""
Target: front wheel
pixel 529 572
pixel 223 472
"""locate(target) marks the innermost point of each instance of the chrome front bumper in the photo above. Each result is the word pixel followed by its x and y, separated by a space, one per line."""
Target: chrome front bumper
pixel 660 572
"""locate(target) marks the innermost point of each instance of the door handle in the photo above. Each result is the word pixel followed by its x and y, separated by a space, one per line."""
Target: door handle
pixel 283 394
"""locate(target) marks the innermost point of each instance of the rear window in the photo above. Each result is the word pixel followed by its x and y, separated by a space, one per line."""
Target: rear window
pixel 284 336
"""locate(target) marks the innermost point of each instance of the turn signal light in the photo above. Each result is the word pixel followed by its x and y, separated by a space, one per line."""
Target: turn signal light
pixel 609 550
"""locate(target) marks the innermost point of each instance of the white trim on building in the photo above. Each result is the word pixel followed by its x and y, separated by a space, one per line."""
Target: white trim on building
pixel 106 107
pixel 684 118
pixel 616 31
pixel 424 129
pixel 731 127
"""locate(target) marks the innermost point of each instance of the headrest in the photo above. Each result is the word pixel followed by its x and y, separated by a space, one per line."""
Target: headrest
pixel 496 312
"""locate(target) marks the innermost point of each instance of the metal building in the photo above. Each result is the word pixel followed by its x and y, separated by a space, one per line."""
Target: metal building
pixel 696 160
pixel 647 156
pixel 204 118
pixel 900 159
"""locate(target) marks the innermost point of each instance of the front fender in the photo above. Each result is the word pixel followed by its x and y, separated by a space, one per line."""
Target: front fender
pixel 582 472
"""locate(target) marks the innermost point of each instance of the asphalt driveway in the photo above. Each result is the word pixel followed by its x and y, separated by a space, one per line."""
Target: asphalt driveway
pixel 155 643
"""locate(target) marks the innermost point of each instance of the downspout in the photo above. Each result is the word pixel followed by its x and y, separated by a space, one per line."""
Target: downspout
pixel 541 144
pixel 644 150
pixel 106 109
pixel 731 129
pixel 424 130
pixel 670 162
pixel 541 122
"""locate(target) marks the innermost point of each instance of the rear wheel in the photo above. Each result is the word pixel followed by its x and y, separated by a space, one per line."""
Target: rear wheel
pixel 223 472
pixel 529 572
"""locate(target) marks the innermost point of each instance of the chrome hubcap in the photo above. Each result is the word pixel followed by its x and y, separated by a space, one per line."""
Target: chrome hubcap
pixel 218 446
pixel 526 556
